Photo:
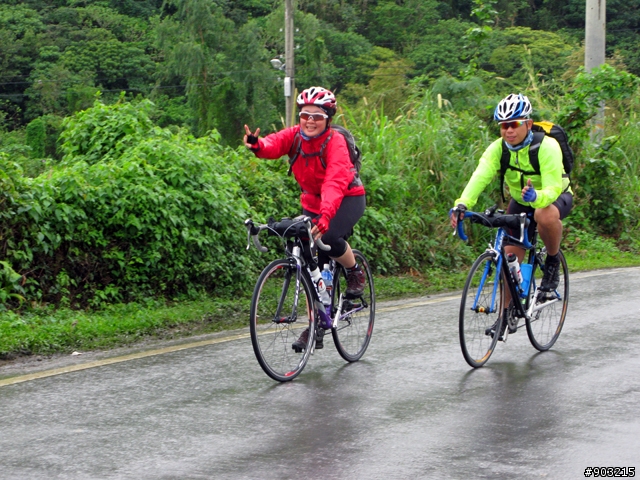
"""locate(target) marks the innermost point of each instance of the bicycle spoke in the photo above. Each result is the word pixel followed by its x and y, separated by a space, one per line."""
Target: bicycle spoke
pixel 547 318
pixel 479 307
pixel 280 312
pixel 352 333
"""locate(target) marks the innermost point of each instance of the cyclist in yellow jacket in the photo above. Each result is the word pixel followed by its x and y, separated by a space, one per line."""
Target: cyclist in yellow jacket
pixel 547 195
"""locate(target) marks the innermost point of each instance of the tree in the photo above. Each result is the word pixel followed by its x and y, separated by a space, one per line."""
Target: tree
pixel 192 42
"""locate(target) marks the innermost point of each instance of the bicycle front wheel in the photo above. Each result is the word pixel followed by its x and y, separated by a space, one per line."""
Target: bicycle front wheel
pixel 546 322
pixel 281 310
pixel 352 333
pixel 480 308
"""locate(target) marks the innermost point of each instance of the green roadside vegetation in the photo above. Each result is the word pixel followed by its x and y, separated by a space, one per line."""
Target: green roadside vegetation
pixel 49 331
pixel 124 185
pixel 136 232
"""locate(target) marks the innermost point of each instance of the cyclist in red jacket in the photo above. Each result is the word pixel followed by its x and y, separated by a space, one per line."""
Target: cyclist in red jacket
pixel 332 194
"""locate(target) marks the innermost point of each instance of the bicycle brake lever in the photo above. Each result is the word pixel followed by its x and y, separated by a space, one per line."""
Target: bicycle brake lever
pixel 318 242
pixel 252 233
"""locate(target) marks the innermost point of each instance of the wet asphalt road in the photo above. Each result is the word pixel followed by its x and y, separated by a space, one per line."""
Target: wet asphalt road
pixel 412 408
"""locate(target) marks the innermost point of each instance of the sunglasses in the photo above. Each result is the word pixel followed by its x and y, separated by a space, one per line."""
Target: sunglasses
pixel 513 124
pixel 316 117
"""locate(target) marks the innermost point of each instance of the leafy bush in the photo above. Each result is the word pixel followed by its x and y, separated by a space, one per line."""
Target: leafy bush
pixel 133 210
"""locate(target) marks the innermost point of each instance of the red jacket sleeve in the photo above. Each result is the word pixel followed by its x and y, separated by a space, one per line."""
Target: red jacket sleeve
pixel 340 173
pixel 275 145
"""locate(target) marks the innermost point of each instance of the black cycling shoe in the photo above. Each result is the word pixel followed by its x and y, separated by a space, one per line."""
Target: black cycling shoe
pixel 550 281
pixel 491 331
pixel 355 283
pixel 512 321
pixel 300 344
pixel 551 277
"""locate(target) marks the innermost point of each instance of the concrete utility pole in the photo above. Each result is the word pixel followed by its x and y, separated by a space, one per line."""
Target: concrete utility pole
pixel 594 50
pixel 289 81
pixel 595 29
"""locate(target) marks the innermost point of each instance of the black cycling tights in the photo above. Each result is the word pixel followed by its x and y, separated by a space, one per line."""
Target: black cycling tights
pixel 340 227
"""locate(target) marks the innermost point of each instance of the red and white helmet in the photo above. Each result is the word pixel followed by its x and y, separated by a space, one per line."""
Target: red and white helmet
pixel 319 96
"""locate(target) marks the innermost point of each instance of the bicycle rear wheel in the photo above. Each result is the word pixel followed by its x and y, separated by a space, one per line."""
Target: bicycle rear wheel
pixel 352 333
pixel 545 324
pixel 281 309
pixel 480 307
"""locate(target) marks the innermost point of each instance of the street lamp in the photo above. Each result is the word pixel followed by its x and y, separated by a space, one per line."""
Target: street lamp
pixel 277 64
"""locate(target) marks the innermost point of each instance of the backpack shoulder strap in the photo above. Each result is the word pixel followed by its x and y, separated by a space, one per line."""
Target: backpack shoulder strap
pixel 504 165
pixel 294 152
pixel 534 150
pixel 505 159
pixel 322 147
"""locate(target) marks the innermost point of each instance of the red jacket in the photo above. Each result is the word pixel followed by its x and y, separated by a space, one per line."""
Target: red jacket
pixel 322 188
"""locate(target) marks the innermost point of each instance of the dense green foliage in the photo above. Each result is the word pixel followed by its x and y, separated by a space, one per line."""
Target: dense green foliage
pixel 131 210
pixel 205 64
pixel 121 178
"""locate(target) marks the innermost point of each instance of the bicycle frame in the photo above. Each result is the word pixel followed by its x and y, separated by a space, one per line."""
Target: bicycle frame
pixel 528 308
pixel 301 253
pixel 502 269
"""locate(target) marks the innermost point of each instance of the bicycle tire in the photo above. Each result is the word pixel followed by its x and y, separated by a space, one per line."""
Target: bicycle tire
pixel 544 325
pixel 274 299
pixel 352 334
pixel 476 345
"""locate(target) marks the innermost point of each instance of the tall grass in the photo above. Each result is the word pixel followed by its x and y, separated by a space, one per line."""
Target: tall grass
pixel 415 166
pixel 417 163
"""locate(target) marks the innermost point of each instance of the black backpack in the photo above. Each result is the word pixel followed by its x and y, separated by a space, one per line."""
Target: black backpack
pixel 540 129
pixel 354 152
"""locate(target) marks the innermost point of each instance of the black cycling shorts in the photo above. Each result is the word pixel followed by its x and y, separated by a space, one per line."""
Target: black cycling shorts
pixel 564 204
pixel 341 225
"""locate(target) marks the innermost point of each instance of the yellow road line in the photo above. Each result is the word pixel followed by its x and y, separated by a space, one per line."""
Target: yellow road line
pixel 123 358
pixel 417 304
pixel 176 348
pixel 186 346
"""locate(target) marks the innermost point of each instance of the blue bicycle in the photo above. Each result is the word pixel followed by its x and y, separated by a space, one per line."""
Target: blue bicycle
pixel 483 297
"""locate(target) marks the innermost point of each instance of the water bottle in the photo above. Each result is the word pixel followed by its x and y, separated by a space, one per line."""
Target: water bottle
pixel 514 267
pixel 320 285
pixel 525 269
pixel 328 278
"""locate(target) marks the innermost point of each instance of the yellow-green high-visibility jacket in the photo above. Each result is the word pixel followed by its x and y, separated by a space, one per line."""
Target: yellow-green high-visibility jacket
pixel 551 182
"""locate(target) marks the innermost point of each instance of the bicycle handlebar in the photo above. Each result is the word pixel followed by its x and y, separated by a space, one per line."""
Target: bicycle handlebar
pixel 459 227
pixel 491 220
pixel 253 231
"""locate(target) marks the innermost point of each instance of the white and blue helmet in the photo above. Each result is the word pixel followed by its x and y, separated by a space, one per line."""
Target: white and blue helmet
pixel 512 107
